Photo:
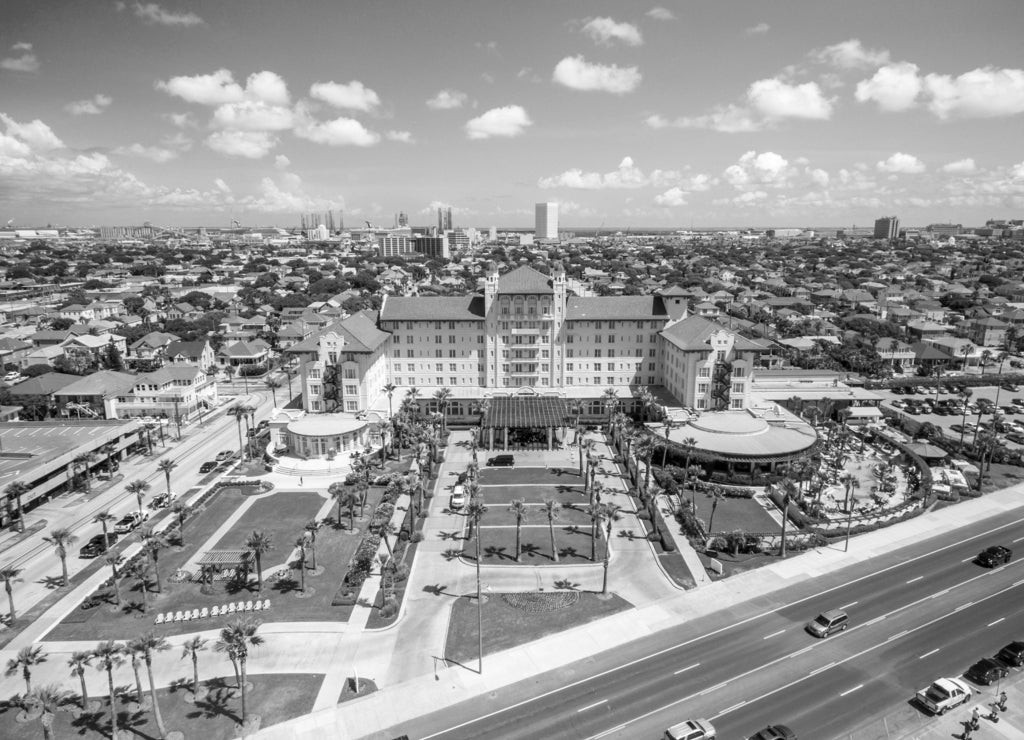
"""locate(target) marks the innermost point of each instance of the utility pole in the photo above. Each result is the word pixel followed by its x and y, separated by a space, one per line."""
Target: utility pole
pixel 177 419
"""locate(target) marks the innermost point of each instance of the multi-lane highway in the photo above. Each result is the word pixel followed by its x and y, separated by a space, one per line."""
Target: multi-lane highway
pixel 916 614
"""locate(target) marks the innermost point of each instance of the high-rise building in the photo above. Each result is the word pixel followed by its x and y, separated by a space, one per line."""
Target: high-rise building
pixel 394 245
pixel 440 221
pixel 448 219
pixel 432 246
pixel 403 219
pixel 546 223
pixel 887 228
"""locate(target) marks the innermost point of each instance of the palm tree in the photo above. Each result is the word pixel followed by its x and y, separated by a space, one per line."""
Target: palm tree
pixel 61 539
pixel 442 396
pixel 388 529
pixel 986 355
pixel 361 490
pixel 611 514
pixel 518 509
pixel 240 413
pixel 165 467
pixel 716 496
pixel 134 651
pixel 689 444
pixel 272 385
pixel 103 519
pixel 9 575
pixel 16 490
pixel 964 395
pixel 108 451
pixel 594 511
pixel 259 543
pixel 26 659
pixel 646 399
pixel 114 559
pixel 412 399
pixel 592 463
pixel 337 491
pixel 645 450
pixel 301 544
pixel 77 663
pixel 475 510
pixel 139 488
pixel 147 645
pixel 110 655
pixel 787 497
pixel 191 649
pixel 552 509
pixel 669 424
pixel 611 400
pixel 84 461
pixel 390 389
pixel 138 570
pixel 237 638
pixel 311 527
pixel 967 350
pixel 181 510
pixel 48 699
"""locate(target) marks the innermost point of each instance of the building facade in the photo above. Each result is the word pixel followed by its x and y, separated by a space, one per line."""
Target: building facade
pixel 546 220
pixel 887 228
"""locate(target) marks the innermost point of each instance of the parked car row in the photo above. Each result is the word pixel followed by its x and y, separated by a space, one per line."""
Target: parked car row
pixel 946 693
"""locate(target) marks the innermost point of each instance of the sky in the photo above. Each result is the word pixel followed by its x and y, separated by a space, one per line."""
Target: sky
pixel 667 113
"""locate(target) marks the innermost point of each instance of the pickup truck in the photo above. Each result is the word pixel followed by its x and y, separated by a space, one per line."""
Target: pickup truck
pixel 943 695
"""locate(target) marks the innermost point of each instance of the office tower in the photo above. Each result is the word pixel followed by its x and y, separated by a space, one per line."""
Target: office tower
pixel 448 219
pixel 403 219
pixel 887 228
pixel 546 223
pixel 440 221
pixel 432 246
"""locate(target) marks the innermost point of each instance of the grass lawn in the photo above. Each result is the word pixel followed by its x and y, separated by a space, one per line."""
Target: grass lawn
pixel 506 626
pixel 571 513
pixel 498 546
pixel 533 494
pixel 281 515
pixel 498 476
pixel 746 514
pixel 275 697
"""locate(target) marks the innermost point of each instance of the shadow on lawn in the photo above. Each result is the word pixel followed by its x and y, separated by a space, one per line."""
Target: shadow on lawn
pixel 497 552
pixel 215 704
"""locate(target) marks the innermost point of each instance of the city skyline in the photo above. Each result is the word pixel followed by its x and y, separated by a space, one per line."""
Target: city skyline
pixel 661 115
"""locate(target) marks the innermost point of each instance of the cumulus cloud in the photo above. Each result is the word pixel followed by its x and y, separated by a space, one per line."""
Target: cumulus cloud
pixel 506 121
pixel 894 87
pixel 447 99
pixel 248 144
pixel 626 176
pixel 579 74
pixel 152 153
pixel 220 87
pixel 902 164
pixel 221 185
pixel 758 29
pixel 177 141
pixel 986 92
pixel 268 87
pixel 153 14
pixel 774 98
pixel 404 137
pixel 282 162
pixel 90 107
pixel 608 31
pixel 960 166
pixel 253 115
pixel 350 96
pixel 672 197
pixel 35 134
pixel 24 62
pixel 341 131
pixel 764 169
pixel 728 119
pixel 183 120
pixel 850 55
pixel 659 13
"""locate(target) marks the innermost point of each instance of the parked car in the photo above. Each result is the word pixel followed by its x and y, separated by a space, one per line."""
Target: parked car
pixel 458 498
pixel 1010 387
pixel 827 623
pixel 225 455
pixel 263 425
pixel 1016 437
pixel 97 545
pixel 129 522
pixel 943 695
pixel 994 556
pixel 209 465
pixel 691 729
pixel 502 461
pixel 774 732
pixel 162 500
pixel 12 376
pixel 1012 654
pixel 986 671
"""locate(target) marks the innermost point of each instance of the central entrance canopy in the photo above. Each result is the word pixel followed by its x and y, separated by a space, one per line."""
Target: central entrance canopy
pixel 526 416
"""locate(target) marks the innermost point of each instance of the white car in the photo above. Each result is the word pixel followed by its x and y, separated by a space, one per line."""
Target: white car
pixel 458 498
pixel 129 522
pixel 12 377
pixel 943 695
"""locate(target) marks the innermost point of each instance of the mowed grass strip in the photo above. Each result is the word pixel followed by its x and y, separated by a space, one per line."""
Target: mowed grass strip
pixel 533 494
pixel 746 514
pixel 500 516
pixel 498 476
pixel 498 546
pixel 507 627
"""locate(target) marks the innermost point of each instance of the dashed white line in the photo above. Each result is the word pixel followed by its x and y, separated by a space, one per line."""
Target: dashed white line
pixel 847 606
pixel 850 691
pixel 713 688
pixel 684 670
pixel 930 652
pixel 937 594
pixel 591 706
pixel 876 620
pixel 822 668
pixel 773 634
pixel 801 651
pixel 1019 539
pixel 993 624
pixel 967 560
pixel 733 708
pixel 897 636
pixel 963 606
pixel 914 580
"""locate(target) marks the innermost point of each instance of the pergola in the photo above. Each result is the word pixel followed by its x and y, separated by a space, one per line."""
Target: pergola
pixel 523 412
pixel 225 559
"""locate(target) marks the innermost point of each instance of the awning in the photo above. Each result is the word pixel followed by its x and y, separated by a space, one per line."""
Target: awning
pixel 533 412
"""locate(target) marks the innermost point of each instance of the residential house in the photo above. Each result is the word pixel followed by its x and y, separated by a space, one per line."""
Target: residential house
pixel 96 395
pixel 245 357
pixel 77 313
pixel 149 350
pixel 198 353
pixel 988 332
pixel 14 351
pixel 176 392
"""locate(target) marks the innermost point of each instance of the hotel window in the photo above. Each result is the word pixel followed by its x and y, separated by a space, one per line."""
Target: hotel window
pixel 314 389
pixel 611 339
pixel 396 353
pixel 519 310
pixel 737 403
pixel 702 403
pixel 440 380
pixel 437 339
pixel 314 373
pixel 569 339
pixel 544 354
pixel 438 353
pixel 737 387
pixel 570 353
pixel 451 367
pixel 480 339
pixel 409 325
pixel 544 368
pixel 453 381
pixel 650 380
pixel 702 388
pixel 611 353
pixel 439 367
pixel 611 324
pixel 611 380
pixel 351 390
pixel 410 353
pixel 569 366
pixel 398 381
pixel 504 354
pixel 650 367
pixel 504 368
pixel 653 338
pixel 597 324
pixel 451 324
pixel 653 353
pixel 350 373
pixel 597 339
pixel 597 353
pixel 704 372
pixel 597 380
pixel 504 310
pixel 451 353
pixel 568 381
pixel 437 325
pixel 597 366
pixel 737 372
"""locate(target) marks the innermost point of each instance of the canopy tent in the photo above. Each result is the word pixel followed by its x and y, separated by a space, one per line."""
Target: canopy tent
pixel 530 412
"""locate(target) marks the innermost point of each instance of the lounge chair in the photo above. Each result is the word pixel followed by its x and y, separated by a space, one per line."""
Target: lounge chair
pixel 177 616
pixel 187 616
pixel 248 606
pixel 159 619
pixel 195 614
pixel 204 613
pixel 169 617
pixel 231 608
pixel 240 607
pixel 257 606
pixel 215 611
pixel 266 604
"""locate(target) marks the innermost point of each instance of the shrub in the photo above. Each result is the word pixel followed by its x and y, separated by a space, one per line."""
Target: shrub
pixel 416 537
pixel 644 514
pixel 667 543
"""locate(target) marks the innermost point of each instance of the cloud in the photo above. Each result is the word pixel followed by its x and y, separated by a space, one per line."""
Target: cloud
pixel 340 131
pixel 267 87
pixel 894 87
pixel 220 87
pixel 626 176
pixel 351 96
pixel 222 186
pixel 959 167
pixel 579 74
pixel 986 92
pixel 758 29
pixel 248 144
pixel 91 107
pixel 672 197
pixel 404 137
pixel 152 153
pixel 35 134
pixel 177 141
pixel 253 115
pixel 774 98
pixel 764 169
pixel 26 62
pixel 729 119
pixel 183 120
pixel 155 15
pixel 850 55
pixel 900 163
pixel 507 121
pixel 659 13
pixel 447 99
pixel 607 31
pixel 282 162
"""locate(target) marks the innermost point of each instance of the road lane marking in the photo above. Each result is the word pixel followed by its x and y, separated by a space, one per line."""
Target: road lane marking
pixel 850 691
pixel 734 707
pixel 943 592
pixel 847 606
pixel 897 636
pixel 876 620
pixel 591 706
pixel 713 688
pixel 930 652
pixel 684 670
pixel 967 560
pixel 822 668
pixel 963 606
pixel 801 651
pixel 914 580
pixel 993 624
pixel 773 634
pixel 1019 539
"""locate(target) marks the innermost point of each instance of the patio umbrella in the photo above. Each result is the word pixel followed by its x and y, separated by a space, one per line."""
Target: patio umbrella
pixel 924 449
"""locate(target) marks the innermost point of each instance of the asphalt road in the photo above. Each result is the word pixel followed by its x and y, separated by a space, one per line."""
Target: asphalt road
pixel 754 664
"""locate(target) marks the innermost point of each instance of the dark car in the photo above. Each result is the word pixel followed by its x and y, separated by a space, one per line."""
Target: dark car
pixel 207 466
pixel 263 425
pixel 506 461
pixel 986 671
pixel 96 546
pixel 1010 387
pixel 774 732
pixel 1012 654
pixel 993 556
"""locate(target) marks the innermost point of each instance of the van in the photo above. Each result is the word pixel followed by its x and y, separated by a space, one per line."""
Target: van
pixel 826 623
pixel 691 729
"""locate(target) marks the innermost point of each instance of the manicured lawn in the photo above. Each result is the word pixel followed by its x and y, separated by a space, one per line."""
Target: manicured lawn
pixel 506 626
pixel 746 514
pixel 498 546
pixel 281 515
pixel 572 513
pixel 497 476
pixel 533 494
pixel 275 697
